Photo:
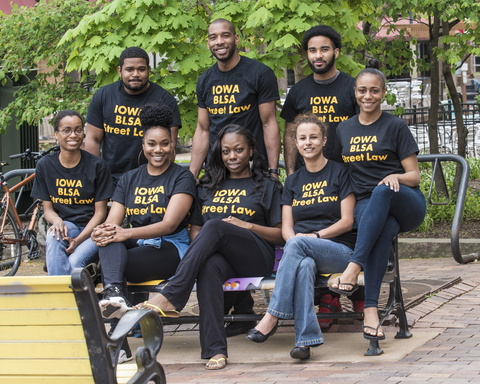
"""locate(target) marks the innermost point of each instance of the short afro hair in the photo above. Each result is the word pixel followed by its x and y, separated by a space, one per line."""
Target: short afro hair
pixel 156 115
pixel 131 53
pixel 322 30
pixel 66 112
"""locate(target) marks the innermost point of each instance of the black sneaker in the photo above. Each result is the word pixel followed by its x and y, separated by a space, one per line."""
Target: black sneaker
pixel 113 305
pixel 125 353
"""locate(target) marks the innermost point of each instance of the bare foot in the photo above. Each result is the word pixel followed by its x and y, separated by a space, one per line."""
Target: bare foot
pixel 216 362
pixel 161 305
pixel 371 322
pixel 349 278
pixel 267 324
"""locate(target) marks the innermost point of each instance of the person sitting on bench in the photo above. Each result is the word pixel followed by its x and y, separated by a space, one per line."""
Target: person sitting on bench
pixel 156 197
pixel 74 186
pixel 381 154
pixel 317 220
pixel 235 223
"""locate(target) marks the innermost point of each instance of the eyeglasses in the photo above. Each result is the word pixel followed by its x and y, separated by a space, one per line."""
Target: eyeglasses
pixel 68 132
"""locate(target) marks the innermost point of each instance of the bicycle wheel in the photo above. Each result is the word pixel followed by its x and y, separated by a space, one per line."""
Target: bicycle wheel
pixel 10 254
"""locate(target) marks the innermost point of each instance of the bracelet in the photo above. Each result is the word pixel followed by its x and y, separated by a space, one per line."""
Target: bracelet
pixel 318 234
pixel 274 170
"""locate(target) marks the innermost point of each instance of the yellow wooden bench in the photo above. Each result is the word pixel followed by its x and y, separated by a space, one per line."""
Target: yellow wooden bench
pixel 51 332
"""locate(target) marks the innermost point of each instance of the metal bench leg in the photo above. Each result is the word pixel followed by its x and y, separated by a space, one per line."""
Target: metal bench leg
pixel 374 349
pixel 403 332
pixel 266 296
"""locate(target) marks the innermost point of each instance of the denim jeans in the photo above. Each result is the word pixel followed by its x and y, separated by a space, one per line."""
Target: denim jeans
pixel 380 218
pixel 292 297
pixel 58 263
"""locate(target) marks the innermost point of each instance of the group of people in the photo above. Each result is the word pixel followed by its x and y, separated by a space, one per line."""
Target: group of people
pixel 347 163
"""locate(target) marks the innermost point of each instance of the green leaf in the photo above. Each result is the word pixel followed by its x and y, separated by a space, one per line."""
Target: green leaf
pixel 287 41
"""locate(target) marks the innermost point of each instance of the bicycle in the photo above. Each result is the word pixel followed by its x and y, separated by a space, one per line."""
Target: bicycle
pixel 13 235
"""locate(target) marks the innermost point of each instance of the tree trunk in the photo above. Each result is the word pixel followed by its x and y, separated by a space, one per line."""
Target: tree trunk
pixel 435 79
pixel 434 29
pixel 300 67
pixel 457 107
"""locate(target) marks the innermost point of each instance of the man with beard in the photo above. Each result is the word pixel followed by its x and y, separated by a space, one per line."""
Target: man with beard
pixel 327 92
pixel 113 120
pixel 235 90
pixel 112 116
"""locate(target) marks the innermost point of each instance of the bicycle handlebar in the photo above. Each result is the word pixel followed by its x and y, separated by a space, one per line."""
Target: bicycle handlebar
pixel 29 155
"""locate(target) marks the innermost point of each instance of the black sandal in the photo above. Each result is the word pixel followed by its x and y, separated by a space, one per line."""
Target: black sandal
pixel 343 291
pixel 372 337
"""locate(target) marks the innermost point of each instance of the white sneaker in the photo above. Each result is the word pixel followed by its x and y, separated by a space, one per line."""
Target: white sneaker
pixel 113 307
pixel 123 357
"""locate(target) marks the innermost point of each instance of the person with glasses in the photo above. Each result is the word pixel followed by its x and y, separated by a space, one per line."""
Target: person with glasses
pixel 74 186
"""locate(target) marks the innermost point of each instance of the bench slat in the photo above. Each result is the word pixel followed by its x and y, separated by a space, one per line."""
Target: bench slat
pixel 41 332
pixel 49 367
pixel 22 379
pixel 38 300
pixel 52 316
pixel 31 284
pixel 46 350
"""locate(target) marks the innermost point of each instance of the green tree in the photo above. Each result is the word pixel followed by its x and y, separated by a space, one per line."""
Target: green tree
pixel 446 48
pixel 270 31
pixel 29 39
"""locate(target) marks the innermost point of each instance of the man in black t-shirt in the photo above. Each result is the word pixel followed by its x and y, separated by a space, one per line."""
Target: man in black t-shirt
pixel 327 92
pixel 235 90
pixel 112 118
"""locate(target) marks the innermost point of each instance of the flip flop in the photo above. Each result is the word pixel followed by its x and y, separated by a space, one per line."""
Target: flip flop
pixel 343 291
pixel 217 365
pixel 173 313
pixel 372 337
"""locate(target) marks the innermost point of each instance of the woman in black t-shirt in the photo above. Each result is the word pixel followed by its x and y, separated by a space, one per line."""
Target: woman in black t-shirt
pixel 317 220
pixel 74 186
pixel 235 224
pixel 156 198
pixel 381 154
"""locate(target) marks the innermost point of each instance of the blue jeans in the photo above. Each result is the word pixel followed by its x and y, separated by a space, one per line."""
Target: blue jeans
pixel 292 297
pixel 58 263
pixel 380 218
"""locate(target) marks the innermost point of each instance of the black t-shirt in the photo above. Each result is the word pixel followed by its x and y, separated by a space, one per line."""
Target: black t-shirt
pixel 373 151
pixel 316 199
pixel 237 197
pixel 333 103
pixel 73 191
pixel 146 197
pixel 233 97
pixel 116 112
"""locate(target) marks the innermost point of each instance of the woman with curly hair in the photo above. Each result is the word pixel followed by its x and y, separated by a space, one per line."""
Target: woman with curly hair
pixel 156 198
pixel 235 223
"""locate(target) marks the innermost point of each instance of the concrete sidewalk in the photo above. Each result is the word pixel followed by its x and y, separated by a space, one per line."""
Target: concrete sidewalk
pixel 445 347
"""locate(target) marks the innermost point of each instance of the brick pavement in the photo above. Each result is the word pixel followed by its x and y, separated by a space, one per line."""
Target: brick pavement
pixel 451 357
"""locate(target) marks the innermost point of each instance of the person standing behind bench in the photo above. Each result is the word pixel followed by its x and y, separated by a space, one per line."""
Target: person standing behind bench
pixel 317 221
pixel 235 90
pixel 327 92
pixel 235 224
pixel 381 154
pixel 114 129
pixel 156 198
pixel 74 186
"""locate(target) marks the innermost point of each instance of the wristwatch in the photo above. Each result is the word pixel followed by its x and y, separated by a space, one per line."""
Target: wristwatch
pixel 316 233
pixel 274 170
